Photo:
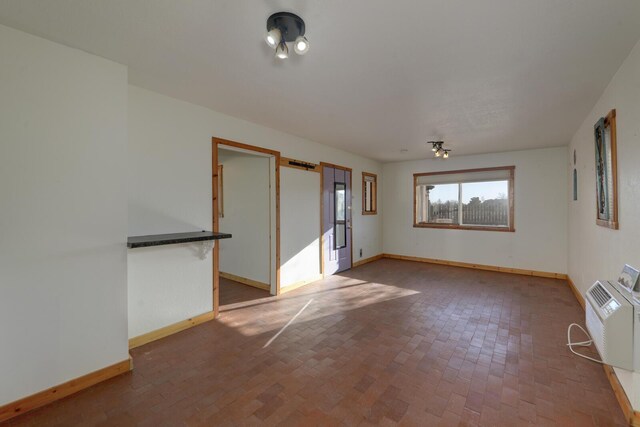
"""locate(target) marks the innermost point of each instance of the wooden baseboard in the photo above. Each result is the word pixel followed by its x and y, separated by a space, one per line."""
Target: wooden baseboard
pixel 633 417
pixel 245 281
pixel 299 284
pixel 367 260
pixel 169 330
pixel 60 391
pixel 520 271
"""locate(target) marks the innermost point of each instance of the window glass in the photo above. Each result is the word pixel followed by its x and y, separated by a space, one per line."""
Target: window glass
pixel 369 196
pixel 340 223
pixel 340 201
pixel 485 203
pixel 341 236
pixel 442 202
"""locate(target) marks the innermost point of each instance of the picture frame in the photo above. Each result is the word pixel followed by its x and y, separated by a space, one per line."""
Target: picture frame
pixel 606 171
pixel 628 278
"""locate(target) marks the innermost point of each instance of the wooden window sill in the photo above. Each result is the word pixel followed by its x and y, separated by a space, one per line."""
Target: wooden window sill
pixel 465 227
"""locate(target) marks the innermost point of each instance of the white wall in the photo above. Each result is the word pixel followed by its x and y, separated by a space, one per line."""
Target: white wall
pixel 169 183
pixel 300 212
pixel 540 240
pixel 597 252
pixel 63 214
pixel 246 208
pixel 170 190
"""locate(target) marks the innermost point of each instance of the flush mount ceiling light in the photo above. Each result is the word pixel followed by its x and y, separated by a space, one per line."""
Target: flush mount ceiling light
pixel 283 28
pixel 438 151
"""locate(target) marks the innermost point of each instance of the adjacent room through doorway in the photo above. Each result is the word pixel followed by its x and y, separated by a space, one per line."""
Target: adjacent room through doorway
pixel 246 200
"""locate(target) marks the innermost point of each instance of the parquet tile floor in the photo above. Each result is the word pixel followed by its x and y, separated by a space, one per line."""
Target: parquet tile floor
pixel 388 343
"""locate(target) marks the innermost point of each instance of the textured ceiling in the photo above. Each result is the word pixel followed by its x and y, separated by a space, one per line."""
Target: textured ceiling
pixel 484 76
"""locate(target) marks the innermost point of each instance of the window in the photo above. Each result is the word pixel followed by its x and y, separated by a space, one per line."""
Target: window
pixel 474 199
pixel 340 223
pixel 369 193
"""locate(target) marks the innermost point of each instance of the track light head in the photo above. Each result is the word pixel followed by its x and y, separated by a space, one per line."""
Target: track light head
pixel 301 45
pixel 282 51
pixel 273 38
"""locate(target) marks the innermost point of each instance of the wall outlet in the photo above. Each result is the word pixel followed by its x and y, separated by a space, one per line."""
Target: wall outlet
pixel 360 252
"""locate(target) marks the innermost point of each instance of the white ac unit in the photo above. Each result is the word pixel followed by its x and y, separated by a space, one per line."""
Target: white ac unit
pixel 610 321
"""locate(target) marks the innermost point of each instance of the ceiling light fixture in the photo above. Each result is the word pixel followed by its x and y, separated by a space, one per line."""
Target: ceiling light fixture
pixel 283 28
pixel 438 151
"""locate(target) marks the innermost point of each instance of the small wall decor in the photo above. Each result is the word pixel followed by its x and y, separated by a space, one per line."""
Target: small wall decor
pixel 606 171
pixel 629 278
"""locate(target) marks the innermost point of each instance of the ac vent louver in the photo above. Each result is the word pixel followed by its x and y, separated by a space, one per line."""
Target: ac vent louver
pixel 600 295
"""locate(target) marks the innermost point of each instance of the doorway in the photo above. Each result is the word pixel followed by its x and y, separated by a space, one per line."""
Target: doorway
pixel 246 195
pixel 336 219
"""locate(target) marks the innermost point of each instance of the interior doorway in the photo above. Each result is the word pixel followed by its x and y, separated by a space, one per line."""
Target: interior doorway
pixel 336 219
pixel 246 195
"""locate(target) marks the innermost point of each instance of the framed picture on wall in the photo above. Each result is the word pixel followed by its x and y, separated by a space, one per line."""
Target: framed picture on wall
pixel 606 171
pixel 629 278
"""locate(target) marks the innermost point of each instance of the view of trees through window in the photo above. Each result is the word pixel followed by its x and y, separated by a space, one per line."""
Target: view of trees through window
pixel 470 203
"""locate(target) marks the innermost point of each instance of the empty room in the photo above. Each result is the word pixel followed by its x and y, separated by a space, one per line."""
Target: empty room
pixel 305 213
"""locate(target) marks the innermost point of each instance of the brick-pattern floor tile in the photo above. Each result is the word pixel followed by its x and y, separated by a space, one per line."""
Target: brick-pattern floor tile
pixel 388 343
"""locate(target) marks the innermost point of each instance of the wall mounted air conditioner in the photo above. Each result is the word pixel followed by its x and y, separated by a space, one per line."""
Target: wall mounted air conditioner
pixel 611 323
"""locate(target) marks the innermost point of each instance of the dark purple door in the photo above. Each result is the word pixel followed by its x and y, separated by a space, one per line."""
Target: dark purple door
pixel 336 218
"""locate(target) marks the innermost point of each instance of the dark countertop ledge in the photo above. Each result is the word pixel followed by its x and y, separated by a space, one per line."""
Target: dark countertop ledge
pixel 173 238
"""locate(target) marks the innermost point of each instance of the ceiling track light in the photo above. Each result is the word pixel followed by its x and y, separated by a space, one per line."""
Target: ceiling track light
pixel 283 28
pixel 438 151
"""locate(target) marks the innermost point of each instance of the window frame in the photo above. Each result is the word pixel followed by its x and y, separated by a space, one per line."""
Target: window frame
pixel 337 221
pixel 374 194
pixel 511 195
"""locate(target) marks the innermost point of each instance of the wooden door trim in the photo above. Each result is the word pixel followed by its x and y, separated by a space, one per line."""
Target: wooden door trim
pixel 216 142
pixel 215 220
pixel 244 146
pixel 331 165
pixel 322 220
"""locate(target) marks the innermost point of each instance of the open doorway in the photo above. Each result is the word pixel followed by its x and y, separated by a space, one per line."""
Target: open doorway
pixel 246 188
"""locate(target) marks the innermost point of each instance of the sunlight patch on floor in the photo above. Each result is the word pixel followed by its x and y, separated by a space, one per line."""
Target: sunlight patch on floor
pixel 334 296
pixel 287 325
